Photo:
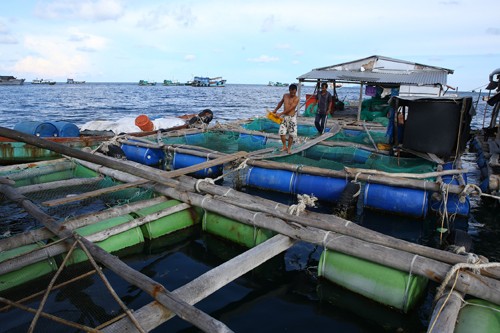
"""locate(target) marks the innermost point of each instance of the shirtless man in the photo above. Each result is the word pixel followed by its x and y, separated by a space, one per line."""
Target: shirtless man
pixel 289 123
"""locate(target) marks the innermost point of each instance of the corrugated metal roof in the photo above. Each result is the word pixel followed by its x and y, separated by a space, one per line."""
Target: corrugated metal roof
pixel 379 69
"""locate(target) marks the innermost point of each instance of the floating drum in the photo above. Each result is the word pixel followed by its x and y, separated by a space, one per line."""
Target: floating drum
pixel 144 123
pixel 143 155
pixel 398 200
pixel 43 130
pixel 234 231
pixel 167 224
pixel 323 188
pixel 66 129
pixel 185 160
pixel 382 284
pixel 27 273
pixel 114 243
pixel 478 316
pixel 271 179
pixel 454 205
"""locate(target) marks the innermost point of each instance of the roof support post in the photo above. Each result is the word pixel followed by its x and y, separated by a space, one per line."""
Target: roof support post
pixel 360 100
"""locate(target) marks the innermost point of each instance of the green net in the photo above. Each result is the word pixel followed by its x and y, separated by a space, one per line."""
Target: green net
pixel 322 156
pixel 336 158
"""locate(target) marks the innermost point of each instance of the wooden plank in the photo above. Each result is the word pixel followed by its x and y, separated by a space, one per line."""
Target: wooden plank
pixel 91 194
pixel 151 315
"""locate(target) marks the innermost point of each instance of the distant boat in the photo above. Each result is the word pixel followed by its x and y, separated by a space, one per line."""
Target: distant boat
pixel 42 81
pixel 277 84
pixel 146 83
pixel 172 83
pixel 199 81
pixel 10 81
pixel 71 81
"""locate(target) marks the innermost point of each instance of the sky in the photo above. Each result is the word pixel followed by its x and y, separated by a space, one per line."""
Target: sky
pixel 245 42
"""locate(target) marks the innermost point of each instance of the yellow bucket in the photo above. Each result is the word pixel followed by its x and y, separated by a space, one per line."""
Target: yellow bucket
pixel 273 117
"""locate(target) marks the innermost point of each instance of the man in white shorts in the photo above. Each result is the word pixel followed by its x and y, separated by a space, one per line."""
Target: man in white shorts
pixel 289 123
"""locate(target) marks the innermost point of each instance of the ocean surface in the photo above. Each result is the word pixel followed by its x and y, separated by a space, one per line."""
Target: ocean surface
pixel 282 296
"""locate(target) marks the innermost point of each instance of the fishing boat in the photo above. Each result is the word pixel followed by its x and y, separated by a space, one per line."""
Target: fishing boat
pixel 43 81
pixel 8 80
pixel 277 84
pixel 199 81
pixel 72 81
pixel 172 83
pixel 159 204
pixel 147 83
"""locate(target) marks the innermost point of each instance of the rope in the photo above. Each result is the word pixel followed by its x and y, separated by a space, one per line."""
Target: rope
pixel 304 201
pixel 242 165
pixel 405 296
pixel 456 268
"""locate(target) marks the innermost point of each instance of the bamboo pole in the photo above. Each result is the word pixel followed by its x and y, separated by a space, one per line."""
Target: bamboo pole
pixel 91 194
pixel 157 291
pixel 151 315
pixel 445 314
pixel 43 233
pixel 43 170
pixel 56 248
pixel 479 286
pixel 58 184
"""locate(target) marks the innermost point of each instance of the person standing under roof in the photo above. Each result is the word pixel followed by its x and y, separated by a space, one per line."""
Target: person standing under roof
pixel 324 100
pixel 289 123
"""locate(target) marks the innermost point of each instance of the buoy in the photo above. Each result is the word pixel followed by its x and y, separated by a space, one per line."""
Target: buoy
pixel 144 123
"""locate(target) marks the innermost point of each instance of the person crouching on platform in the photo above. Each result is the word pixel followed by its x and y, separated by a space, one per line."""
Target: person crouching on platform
pixel 289 123
pixel 324 100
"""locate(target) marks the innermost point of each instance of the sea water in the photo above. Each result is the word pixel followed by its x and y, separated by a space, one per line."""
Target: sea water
pixel 283 295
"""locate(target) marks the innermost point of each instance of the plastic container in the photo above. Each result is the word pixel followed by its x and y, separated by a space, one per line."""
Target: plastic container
pixel 66 129
pixel 453 205
pixel 234 231
pixel 382 284
pixel 143 155
pixel 398 200
pixel 478 316
pixel 38 128
pixel 185 160
pixel 114 243
pixel 167 224
pixel 144 123
pixel 272 179
pixel 323 188
pixel 273 117
pixel 27 273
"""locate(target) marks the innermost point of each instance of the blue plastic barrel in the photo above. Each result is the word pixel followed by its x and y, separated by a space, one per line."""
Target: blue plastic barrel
pixel 67 129
pixel 38 128
pixel 146 156
pixel 185 160
pixel 398 200
pixel 323 188
pixel 453 205
pixel 271 179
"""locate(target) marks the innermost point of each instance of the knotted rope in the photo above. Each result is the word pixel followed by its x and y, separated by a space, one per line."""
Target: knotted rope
pixel 304 201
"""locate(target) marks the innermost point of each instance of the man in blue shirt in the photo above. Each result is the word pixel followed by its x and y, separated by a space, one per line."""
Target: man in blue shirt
pixel 324 100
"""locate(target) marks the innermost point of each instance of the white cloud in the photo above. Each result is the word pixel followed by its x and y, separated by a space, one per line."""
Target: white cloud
pixel 94 10
pixel 283 46
pixel 189 57
pixel 51 57
pixel 264 58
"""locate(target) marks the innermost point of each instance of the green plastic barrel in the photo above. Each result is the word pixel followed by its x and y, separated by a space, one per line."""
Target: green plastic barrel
pixel 28 273
pixel 234 231
pixel 170 223
pixel 114 243
pixel 479 317
pixel 382 284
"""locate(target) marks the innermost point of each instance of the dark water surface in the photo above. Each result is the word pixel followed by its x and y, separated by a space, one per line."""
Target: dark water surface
pixel 284 295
